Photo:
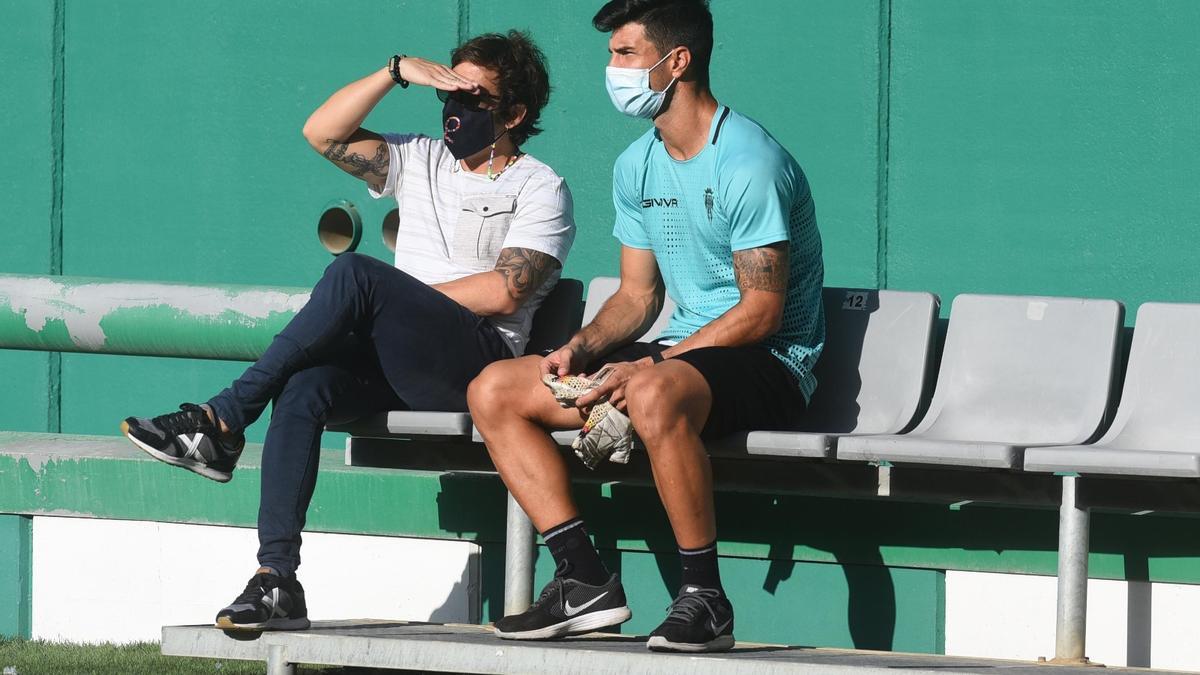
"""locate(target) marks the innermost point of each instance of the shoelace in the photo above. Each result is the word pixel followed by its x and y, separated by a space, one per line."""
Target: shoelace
pixel 260 584
pixel 555 584
pixel 687 606
pixel 190 418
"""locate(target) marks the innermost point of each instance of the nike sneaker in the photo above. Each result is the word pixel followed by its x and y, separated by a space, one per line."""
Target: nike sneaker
pixel 270 602
pixel 699 620
pixel 187 439
pixel 568 607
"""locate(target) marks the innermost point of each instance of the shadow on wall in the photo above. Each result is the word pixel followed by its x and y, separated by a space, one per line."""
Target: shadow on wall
pixel 464 593
pixel 871 601
pixel 863 536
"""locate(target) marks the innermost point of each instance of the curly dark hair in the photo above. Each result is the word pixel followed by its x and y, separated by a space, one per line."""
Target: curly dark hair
pixel 668 24
pixel 521 67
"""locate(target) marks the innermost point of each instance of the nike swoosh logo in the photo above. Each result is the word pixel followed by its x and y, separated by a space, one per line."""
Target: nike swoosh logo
pixel 717 630
pixel 572 611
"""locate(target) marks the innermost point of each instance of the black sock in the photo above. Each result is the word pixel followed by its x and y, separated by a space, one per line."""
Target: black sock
pixel 700 567
pixel 569 543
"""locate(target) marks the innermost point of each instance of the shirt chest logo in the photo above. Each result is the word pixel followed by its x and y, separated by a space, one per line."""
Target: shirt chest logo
pixel 668 202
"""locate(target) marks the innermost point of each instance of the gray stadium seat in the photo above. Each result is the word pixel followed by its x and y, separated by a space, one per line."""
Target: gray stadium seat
pixel 1016 371
pixel 1156 431
pixel 602 288
pixel 871 376
pixel 872 372
pixel 553 324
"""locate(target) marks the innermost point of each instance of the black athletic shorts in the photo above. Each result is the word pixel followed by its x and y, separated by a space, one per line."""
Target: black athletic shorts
pixel 751 388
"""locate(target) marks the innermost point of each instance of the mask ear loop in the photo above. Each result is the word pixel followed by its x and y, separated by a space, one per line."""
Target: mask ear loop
pixel 664 58
pixel 669 84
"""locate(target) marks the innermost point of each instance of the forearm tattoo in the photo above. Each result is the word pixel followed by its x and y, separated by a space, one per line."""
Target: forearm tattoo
pixel 762 269
pixel 524 270
pixel 359 165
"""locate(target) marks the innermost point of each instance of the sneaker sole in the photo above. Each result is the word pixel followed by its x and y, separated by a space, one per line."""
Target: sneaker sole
pixel 658 643
pixel 190 464
pixel 302 623
pixel 584 623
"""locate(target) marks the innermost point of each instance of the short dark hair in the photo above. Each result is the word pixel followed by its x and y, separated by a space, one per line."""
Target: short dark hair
pixel 521 69
pixel 668 24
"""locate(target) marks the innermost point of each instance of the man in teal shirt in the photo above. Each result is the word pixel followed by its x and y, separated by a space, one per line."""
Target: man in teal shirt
pixel 711 210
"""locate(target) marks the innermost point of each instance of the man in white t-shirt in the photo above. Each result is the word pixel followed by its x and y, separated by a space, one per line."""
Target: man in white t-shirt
pixel 484 230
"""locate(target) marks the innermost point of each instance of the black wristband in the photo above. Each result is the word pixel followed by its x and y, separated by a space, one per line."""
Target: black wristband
pixel 394 70
pixel 656 357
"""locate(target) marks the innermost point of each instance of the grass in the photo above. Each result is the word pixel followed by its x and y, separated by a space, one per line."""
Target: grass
pixel 37 657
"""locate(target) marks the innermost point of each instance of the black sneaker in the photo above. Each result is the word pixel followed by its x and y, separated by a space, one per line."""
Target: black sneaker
pixel 568 607
pixel 270 602
pixel 699 620
pixel 187 439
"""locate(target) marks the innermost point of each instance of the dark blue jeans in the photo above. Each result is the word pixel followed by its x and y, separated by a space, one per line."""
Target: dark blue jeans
pixel 370 338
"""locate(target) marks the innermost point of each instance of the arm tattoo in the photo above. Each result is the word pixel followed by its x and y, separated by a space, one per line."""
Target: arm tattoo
pixel 524 270
pixel 762 269
pixel 356 164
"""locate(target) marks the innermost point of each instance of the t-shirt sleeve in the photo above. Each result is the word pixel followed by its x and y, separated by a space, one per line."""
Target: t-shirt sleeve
pixel 757 199
pixel 399 146
pixel 544 220
pixel 627 201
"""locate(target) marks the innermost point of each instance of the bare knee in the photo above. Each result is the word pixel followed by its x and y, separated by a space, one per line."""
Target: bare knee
pixel 486 392
pixel 654 405
pixel 498 391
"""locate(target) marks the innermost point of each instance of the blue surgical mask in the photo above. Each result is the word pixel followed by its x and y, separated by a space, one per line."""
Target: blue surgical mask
pixel 629 89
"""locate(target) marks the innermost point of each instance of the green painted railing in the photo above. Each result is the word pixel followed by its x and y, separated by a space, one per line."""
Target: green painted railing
pixel 109 316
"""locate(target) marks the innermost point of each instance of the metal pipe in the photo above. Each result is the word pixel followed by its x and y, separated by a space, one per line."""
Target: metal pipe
pixel 1071 628
pixel 390 228
pixel 519 545
pixel 277 663
pixel 340 227
pixel 108 316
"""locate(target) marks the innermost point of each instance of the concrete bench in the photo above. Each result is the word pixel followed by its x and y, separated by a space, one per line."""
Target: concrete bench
pixel 418 647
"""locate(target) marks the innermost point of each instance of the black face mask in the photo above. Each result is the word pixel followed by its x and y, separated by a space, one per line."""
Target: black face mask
pixel 466 130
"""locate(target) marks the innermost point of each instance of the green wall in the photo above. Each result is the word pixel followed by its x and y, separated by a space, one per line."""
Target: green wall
pixel 16 575
pixel 1045 147
pixel 1017 146
pixel 27 188
pixel 788 602
pixel 1012 146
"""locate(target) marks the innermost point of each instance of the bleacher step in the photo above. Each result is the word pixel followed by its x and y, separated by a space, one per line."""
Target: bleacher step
pixel 454 648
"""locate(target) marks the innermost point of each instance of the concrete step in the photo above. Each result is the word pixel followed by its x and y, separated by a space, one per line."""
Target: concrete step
pixel 454 648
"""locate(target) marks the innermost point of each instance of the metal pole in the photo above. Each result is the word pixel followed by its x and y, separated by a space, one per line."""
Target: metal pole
pixel 277 663
pixel 518 560
pixel 1071 629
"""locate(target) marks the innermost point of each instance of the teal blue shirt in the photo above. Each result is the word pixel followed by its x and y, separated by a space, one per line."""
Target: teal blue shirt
pixel 742 191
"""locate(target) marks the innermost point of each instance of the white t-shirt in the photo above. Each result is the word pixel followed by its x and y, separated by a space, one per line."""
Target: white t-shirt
pixel 454 223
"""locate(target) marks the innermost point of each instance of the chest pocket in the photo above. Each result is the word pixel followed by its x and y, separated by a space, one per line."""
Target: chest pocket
pixel 482 226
